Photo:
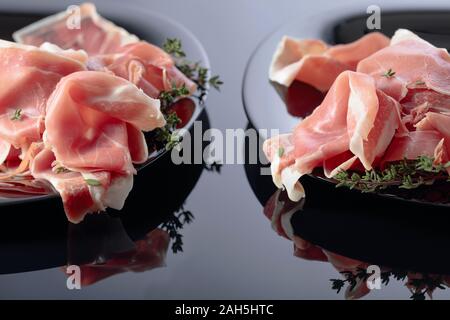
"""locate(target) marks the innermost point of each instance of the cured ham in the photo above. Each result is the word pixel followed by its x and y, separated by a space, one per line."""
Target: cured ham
pixel 355 118
pixel 145 65
pixel 317 64
pixel 93 120
pixel 94 34
pixel 76 99
pixel 110 49
pixel 394 107
pixel 29 75
pixel 416 63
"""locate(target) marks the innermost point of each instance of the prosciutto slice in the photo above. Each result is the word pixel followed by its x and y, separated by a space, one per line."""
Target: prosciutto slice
pixel 317 64
pixel 416 63
pixel 395 106
pixel 29 75
pixel 93 121
pixel 145 65
pixel 355 119
pixel 94 34
pixel 413 145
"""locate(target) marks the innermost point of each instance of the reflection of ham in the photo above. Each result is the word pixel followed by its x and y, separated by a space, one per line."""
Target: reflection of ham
pixel 313 62
pixel 93 121
pixel 95 34
pixel 149 253
pixel 354 116
pixel 279 210
pixel 145 65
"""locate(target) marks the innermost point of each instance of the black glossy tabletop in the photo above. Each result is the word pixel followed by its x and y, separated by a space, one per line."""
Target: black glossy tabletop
pixel 202 232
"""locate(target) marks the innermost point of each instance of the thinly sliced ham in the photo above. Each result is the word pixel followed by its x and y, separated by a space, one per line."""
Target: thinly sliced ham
pixel 94 34
pixel 29 75
pixel 416 63
pixel 92 137
pixel 395 106
pixel 355 118
pixel 87 117
pixel 313 62
pixel 413 145
pixel 145 65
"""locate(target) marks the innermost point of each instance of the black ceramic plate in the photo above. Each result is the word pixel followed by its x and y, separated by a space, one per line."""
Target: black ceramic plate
pixel 149 26
pixel 271 106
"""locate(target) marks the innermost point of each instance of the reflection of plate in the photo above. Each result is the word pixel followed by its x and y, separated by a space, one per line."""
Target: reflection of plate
pixel 398 234
pixel 269 106
pixel 148 26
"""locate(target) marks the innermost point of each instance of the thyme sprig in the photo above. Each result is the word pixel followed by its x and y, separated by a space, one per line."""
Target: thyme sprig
pixel 173 47
pixel 405 174
pixel 167 134
pixel 193 70
pixel 167 98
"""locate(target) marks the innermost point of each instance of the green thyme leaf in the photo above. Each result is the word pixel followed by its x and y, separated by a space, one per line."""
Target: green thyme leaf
pixel 389 74
pixel 174 47
pixel 17 114
pixel 405 174
pixel 93 182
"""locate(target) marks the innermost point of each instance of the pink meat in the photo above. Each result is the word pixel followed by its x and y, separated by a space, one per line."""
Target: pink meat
pixel 28 76
pixel 415 144
pixel 355 120
pixel 145 65
pixel 88 119
pixel 415 63
pixel 92 137
pixel 94 34
pixel 313 62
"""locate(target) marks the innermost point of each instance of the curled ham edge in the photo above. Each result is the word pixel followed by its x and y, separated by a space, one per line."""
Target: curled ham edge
pixel 287 174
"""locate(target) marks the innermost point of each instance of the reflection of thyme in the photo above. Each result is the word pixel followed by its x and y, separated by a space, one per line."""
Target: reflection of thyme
pixel 174 224
pixel 405 174
pixel 213 167
pixel 419 286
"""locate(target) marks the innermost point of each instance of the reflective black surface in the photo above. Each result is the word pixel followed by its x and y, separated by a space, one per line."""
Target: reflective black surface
pixel 230 249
